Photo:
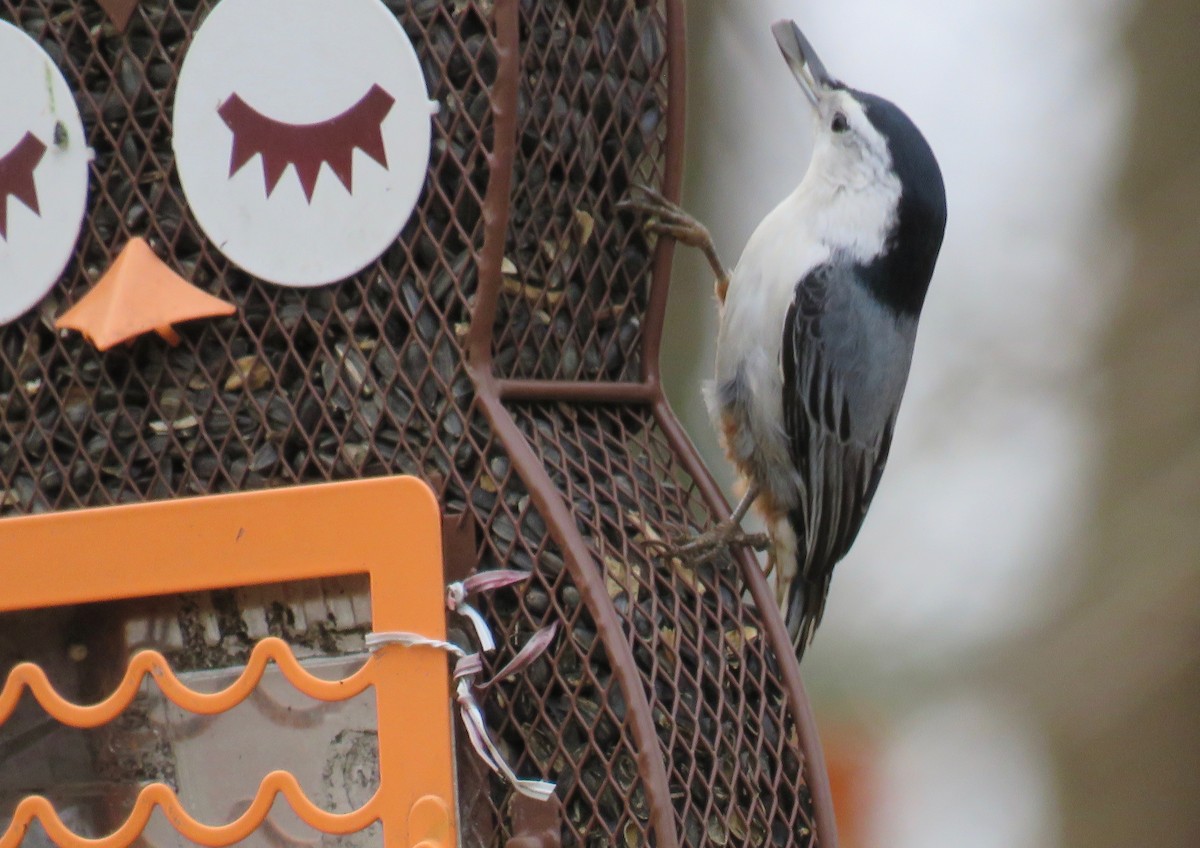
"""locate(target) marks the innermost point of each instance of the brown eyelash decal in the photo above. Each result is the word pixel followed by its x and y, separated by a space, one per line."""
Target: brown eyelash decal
pixel 307 146
pixel 119 11
pixel 16 177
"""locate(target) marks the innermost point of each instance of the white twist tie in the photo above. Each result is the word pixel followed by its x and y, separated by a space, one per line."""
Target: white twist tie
pixel 469 665
pixel 375 641
pixel 484 581
pixel 481 740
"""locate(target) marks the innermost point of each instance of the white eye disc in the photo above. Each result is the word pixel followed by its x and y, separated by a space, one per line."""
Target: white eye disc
pixel 302 132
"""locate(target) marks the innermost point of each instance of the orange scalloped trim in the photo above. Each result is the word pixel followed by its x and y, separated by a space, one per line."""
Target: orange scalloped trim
pixel 31 676
pixel 161 795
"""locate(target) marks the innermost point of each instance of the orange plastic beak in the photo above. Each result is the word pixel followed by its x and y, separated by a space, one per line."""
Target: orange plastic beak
pixel 137 295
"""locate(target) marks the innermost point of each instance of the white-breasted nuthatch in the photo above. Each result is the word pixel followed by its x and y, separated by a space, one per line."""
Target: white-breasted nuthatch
pixel 818 322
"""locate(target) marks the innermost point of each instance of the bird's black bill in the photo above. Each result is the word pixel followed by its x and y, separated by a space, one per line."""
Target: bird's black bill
pixel 802 59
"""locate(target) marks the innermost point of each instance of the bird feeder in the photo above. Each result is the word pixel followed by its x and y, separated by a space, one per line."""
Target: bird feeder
pixel 503 348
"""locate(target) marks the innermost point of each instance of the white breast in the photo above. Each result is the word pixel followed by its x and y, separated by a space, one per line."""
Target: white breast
pixel 779 254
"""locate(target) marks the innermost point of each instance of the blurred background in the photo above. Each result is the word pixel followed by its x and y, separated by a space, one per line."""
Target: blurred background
pixel 1011 652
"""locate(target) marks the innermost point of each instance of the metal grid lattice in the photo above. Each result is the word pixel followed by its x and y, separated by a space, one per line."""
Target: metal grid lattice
pixel 504 349
pixel 590 123
pixel 719 708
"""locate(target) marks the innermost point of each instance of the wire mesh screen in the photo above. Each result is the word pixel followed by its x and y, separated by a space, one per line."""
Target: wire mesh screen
pixel 676 727
pixel 719 708
pixel 591 121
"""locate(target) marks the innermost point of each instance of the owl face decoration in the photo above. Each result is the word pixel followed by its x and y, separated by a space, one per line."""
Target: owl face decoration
pixel 301 133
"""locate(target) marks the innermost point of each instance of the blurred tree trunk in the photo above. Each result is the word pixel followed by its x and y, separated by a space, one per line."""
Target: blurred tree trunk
pixel 1120 675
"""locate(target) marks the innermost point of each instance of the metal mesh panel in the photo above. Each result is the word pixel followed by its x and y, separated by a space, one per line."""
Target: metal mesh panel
pixel 566 717
pixel 718 704
pixel 590 123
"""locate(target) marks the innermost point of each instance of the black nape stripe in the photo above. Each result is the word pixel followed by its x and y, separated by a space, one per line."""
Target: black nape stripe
pixel 899 278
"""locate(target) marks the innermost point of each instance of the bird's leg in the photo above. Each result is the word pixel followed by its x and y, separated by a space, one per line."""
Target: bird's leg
pixel 668 219
pixel 725 534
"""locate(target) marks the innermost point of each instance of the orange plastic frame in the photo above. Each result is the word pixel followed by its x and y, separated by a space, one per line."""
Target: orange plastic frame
pixel 387 528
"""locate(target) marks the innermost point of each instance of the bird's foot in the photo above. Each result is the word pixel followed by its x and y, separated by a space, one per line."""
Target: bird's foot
pixel 697 550
pixel 665 218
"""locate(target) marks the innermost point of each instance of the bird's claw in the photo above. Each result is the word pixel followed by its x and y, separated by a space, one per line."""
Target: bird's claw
pixel 665 217
pixel 697 550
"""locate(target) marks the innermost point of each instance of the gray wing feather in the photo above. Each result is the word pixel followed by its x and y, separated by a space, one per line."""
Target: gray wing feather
pixel 840 398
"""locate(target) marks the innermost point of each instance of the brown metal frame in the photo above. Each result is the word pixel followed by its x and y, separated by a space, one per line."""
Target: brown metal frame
pixel 492 393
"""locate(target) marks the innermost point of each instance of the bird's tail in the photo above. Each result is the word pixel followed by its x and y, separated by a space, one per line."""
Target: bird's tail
pixel 805 607
pixel 801 594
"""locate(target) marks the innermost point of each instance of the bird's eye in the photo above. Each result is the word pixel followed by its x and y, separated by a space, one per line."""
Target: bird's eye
pixel 840 124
